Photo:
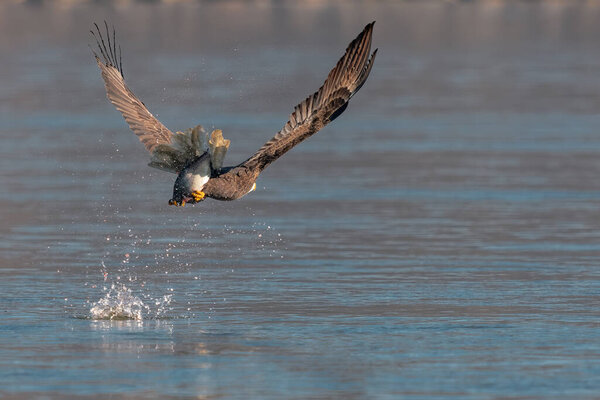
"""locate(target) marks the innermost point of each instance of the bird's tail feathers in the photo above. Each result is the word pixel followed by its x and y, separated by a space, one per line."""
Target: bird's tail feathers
pixel 217 148
pixel 187 146
pixel 184 148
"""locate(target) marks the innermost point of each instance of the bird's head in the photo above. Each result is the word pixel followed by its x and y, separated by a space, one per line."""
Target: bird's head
pixel 182 193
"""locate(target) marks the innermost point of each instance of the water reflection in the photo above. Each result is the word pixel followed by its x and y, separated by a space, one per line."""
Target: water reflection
pixel 134 336
pixel 123 325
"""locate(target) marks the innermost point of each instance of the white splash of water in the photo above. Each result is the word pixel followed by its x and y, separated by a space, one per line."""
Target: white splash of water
pixel 163 305
pixel 119 303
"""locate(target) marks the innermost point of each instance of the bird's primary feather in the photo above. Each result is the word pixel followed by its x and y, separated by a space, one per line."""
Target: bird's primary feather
pixel 308 117
pixel 149 130
pixel 169 151
pixel 326 104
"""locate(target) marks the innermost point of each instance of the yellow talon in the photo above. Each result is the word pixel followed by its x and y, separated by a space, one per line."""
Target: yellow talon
pixel 198 195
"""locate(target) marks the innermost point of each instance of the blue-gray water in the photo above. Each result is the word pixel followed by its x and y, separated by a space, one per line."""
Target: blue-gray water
pixel 439 240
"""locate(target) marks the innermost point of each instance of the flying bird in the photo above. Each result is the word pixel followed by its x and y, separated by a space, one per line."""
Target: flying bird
pixel 196 159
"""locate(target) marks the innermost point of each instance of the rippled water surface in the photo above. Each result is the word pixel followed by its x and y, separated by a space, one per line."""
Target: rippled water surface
pixel 439 240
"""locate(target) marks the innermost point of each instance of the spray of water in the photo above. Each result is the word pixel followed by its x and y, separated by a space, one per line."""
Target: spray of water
pixel 119 303
pixel 126 293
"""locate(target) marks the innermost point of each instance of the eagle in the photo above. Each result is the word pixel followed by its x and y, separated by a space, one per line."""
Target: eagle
pixel 195 157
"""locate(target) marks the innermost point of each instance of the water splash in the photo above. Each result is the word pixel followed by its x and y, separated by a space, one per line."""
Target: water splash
pixel 119 303
pixel 163 305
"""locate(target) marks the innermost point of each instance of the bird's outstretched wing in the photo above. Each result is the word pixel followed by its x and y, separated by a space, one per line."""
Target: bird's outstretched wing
pixel 349 74
pixel 149 130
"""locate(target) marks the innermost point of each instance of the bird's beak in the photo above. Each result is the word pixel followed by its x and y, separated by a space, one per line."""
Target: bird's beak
pixel 253 187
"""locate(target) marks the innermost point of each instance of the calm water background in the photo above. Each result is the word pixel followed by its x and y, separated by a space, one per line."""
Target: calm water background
pixel 439 240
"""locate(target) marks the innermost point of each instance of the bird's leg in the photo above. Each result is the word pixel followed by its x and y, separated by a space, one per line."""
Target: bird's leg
pixel 177 204
pixel 198 195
